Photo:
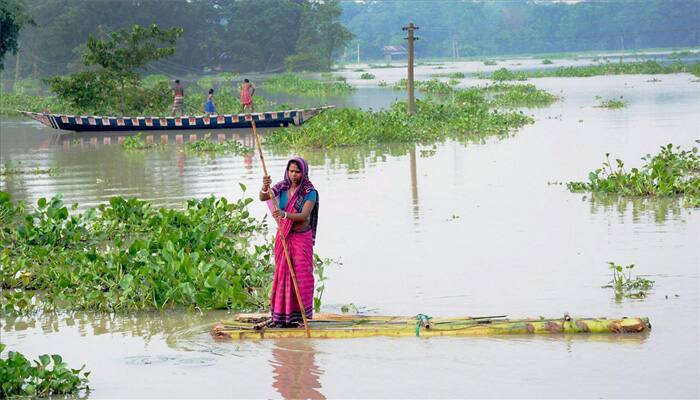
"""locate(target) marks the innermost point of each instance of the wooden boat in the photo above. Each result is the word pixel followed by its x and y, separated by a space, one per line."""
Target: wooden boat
pixel 252 326
pixel 227 121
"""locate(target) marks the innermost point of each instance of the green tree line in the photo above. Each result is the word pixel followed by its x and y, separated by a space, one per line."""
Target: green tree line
pixel 218 35
pixel 475 28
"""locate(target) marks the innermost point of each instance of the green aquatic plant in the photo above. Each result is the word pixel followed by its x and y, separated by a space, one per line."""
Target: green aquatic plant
pixel 504 74
pixel 207 146
pixel 127 255
pixel 367 75
pixel 490 62
pixel 135 142
pixel 625 285
pixel 613 103
pixel 291 83
pixel 519 95
pixel 463 112
pixel 671 172
pixel 606 67
pixel 382 83
pixel 10 169
pixel 49 376
pixel 320 266
pixel 547 61
pixel 451 75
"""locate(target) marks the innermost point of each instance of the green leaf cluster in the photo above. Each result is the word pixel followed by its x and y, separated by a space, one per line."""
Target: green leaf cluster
pixel 116 81
pixel 671 172
pixel 126 255
pixel 48 376
pixel 625 285
pixel 207 146
pixel 462 113
pixel 292 83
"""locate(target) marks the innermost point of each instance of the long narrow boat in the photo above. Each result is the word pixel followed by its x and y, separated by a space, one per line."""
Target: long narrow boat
pixel 252 326
pixel 228 121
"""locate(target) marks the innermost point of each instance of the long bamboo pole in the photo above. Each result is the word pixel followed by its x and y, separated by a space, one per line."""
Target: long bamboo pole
pixel 284 240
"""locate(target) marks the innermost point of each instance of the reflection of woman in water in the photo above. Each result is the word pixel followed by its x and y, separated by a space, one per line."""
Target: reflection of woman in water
pixel 295 373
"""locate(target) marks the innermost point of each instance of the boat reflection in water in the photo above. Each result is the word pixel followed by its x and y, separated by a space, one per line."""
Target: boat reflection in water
pixel 295 373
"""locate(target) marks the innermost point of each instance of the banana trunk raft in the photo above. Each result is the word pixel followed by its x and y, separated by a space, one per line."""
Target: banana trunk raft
pixel 326 326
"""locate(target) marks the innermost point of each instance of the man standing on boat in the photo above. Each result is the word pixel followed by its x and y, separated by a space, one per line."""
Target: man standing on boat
pixel 179 101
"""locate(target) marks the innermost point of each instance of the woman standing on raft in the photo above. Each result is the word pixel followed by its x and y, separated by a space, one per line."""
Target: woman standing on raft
pixel 297 215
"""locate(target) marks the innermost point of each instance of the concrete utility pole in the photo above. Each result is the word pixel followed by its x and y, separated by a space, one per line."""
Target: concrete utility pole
pixel 411 95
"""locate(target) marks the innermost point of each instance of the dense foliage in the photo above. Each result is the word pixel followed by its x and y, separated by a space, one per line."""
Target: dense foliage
pixel 116 83
pixel 244 35
pixel 49 375
pixel 457 113
pixel 477 28
pixel 671 172
pixel 13 17
pixel 126 255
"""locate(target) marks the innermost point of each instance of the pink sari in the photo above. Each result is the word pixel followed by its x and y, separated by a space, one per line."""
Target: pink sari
pixel 283 300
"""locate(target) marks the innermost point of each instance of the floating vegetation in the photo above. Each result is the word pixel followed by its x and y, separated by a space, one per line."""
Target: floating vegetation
pixel 11 103
pixel 367 75
pixel 608 68
pixel 613 103
pixel 671 172
pixel 49 376
pixel 127 255
pixel 625 285
pixel 504 74
pixel 653 80
pixel 207 146
pixel 9 169
pixel 451 75
pixel 382 83
pixel 490 62
pixel 462 113
pixel 136 143
pixel 291 83
pixel 547 61
pixel 519 95
pixel 433 86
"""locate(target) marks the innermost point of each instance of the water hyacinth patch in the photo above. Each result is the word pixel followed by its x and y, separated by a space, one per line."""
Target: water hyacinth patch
pixel 460 113
pixel 671 172
pixel 126 255
pixel 207 146
pixel 367 76
pixel 49 376
pixel 613 103
pixel 291 83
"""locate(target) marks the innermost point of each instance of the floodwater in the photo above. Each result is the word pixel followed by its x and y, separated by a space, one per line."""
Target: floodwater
pixel 456 229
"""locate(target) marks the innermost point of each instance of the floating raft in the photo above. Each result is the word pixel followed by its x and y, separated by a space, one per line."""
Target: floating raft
pixel 251 326
pixel 99 123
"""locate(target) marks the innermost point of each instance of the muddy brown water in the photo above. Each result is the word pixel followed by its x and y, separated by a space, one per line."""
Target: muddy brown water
pixel 458 229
